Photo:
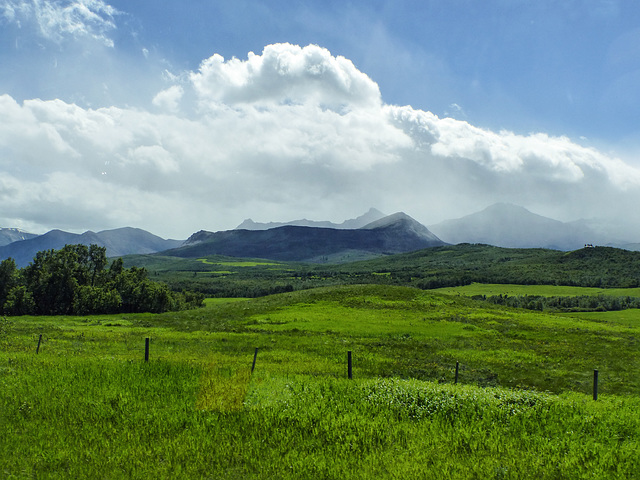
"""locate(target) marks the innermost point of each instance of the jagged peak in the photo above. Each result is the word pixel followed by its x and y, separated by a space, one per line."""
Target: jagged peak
pixel 246 224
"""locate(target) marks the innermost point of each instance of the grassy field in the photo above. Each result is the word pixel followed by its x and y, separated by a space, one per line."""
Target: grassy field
pixel 237 264
pixel 542 290
pixel 630 317
pixel 88 406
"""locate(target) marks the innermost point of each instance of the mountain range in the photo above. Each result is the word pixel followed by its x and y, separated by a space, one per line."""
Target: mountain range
pixel 10 235
pixel 371 216
pixel 397 233
pixel 371 234
pixel 118 242
pixel 512 226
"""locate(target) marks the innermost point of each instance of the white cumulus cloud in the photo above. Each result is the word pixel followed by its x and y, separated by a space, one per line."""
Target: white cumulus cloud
pixel 285 74
pixel 57 20
pixel 292 132
pixel 169 99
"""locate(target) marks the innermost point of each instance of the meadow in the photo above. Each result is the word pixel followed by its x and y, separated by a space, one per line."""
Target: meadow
pixel 88 406
pixel 542 290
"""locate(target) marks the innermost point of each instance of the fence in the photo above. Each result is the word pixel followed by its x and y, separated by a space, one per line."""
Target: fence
pixel 147 346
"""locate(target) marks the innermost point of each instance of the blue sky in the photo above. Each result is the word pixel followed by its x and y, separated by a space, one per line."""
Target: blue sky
pixel 568 68
pixel 458 104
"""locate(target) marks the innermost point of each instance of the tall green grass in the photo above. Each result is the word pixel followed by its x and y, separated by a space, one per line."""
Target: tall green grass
pixel 79 418
pixel 88 406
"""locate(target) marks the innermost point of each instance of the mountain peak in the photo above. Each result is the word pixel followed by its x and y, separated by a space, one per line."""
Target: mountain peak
pixel 513 226
pixel 506 207
pixel 10 235
pixel 247 224
pixel 397 233
pixel 371 215
pixel 389 220
pixel 400 221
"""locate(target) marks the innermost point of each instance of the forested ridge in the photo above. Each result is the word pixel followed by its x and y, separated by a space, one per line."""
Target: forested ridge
pixel 78 280
pixel 603 267
pixel 447 266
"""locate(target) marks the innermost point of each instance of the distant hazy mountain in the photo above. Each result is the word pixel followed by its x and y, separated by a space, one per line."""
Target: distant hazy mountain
pixel 612 232
pixel 397 233
pixel 371 216
pixel 121 241
pixel 506 225
pixel 634 247
pixel 10 235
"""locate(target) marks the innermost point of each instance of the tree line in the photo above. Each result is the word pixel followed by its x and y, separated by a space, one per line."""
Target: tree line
pixel 580 303
pixel 78 280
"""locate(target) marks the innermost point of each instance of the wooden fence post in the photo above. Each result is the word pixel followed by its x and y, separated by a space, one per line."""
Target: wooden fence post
pixel 349 366
pixel 595 384
pixel 39 341
pixel 457 369
pixel 146 349
pixel 255 356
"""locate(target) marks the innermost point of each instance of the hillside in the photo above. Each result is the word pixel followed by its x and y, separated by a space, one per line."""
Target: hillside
pixel 434 267
pixel 394 234
pixel 121 241
pixel 462 264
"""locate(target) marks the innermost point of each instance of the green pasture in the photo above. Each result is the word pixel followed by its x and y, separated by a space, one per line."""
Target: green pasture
pixel 220 301
pixel 541 290
pixel 231 263
pixel 392 332
pixel 88 406
pixel 630 318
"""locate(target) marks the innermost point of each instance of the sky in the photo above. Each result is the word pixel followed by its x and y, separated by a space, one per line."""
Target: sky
pixel 176 116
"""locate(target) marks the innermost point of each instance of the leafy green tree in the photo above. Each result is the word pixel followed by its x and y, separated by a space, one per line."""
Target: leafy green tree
pixel 8 280
pixel 53 276
pixel 115 269
pixel 97 262
pixel 89 299
pixel 20 302
pixel 75 280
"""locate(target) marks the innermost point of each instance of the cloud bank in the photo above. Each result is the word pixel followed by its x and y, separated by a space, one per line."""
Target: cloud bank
pixel 290 132
pixel 58 20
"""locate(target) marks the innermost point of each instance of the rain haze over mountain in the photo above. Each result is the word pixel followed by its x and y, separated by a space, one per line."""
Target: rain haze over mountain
pixel 176 117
